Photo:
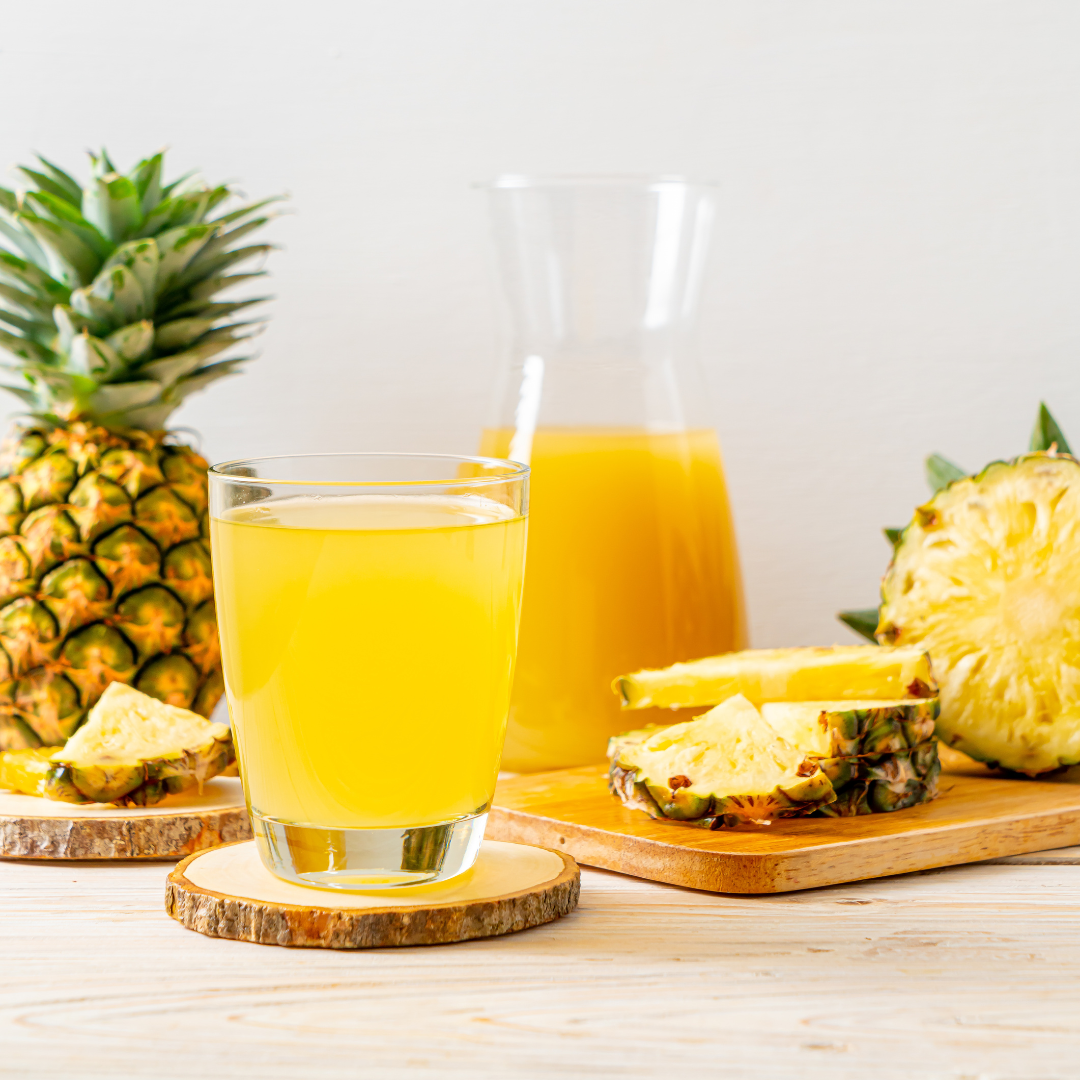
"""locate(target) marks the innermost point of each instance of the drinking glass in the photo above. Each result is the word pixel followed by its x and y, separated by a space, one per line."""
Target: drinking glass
pixel 632 555
pixel 368 611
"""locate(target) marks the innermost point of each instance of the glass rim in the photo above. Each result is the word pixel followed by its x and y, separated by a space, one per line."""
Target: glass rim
pixel 644 181
pixel 513 470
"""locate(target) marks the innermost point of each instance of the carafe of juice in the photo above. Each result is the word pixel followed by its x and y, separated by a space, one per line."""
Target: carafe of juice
pixel 631 554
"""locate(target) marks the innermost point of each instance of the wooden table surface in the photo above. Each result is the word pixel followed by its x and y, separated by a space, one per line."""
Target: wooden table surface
pixel 966 972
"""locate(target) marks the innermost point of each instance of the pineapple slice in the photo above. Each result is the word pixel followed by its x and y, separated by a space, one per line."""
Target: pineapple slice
pixel 879 755
pixel 808 674
pixel 26 771
pixel 987 577
pixel 133 750
pixel 726 766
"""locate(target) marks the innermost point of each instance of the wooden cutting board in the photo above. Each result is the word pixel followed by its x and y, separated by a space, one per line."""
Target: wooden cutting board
pixel 977 816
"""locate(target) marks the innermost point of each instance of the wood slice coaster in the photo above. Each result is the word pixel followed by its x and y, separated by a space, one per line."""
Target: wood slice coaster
pixel 228 893
pixel 33 828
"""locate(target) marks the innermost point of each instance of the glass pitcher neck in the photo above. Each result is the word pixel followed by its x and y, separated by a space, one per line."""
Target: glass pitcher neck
pixel 602 276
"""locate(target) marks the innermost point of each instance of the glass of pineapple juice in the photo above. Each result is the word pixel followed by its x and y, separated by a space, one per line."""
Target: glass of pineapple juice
pixel 368 610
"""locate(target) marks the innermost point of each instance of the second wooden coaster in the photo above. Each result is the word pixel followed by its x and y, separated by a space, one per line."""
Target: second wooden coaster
pixel 228 893
pixel 33 828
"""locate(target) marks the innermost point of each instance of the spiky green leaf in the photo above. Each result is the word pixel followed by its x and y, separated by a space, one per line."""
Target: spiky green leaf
pixel 70 259
pixel 243 211
pixel 146 176
pixel 208 288
pixel 121 397
pixel 940 472
pixel 46 183
pixel 143 259
pixel 26 303
pixel 863 621
pixel 35 329
pixel 16 234
pixel 134 342
pixel 120 287
pixel 62 180
pixel 112 204
pixel 179 365
pixel 26 350
pixel 171 336
pixel 71 323
pixel 94 358
pixel 64 214
pixel 97 311
pixel 25 275
pixel 1047 433
pixel 177 248
pixel 209 310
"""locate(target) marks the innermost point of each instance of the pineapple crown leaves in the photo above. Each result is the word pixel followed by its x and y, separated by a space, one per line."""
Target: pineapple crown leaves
pixel 1046 438
pixel 109 293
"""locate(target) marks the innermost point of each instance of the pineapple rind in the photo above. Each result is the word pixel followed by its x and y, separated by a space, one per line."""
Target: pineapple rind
pixel 985 577
pixel 843 672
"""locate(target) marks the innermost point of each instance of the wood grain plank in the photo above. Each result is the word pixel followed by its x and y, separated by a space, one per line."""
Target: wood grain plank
pixel 972 971
pixel 975 818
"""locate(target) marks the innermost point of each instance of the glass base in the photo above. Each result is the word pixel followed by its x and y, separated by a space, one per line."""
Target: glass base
pixel 364 859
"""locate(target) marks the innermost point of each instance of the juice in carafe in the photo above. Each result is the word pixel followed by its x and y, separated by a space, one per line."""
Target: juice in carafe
pixel 631 563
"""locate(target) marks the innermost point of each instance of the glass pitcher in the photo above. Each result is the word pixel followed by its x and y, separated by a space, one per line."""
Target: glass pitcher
pixel 631 558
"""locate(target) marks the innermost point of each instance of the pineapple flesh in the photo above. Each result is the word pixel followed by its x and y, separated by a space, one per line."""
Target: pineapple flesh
pixel 111 316
pixel 798 674
pixel 987 578
pixel 724 767
pixel 133 750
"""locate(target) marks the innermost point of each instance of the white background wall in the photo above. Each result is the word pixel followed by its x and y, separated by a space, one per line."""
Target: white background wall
pixel 897 267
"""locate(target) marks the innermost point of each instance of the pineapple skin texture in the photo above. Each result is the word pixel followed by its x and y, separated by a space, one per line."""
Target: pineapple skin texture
pixel 105 576
pixel 881 759
pixel 987 579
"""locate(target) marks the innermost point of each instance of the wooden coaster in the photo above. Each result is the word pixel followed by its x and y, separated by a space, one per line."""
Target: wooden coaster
pixel 228 893
pixel 33 828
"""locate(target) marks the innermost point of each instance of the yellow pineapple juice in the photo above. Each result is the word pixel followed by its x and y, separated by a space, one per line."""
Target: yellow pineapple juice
pixel 368 646
pixel 632 564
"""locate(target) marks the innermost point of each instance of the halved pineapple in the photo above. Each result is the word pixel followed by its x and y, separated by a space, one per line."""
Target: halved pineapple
pixel 724 767
pixel 879 755
pixel 133 750
pixel 987 578
pixel 842 672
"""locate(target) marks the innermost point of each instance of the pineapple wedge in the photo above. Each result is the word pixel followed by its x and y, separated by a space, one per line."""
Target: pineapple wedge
pixel 843 672
pixel 133 750
pixel 879 755
pixel 737 763
pixel 724 767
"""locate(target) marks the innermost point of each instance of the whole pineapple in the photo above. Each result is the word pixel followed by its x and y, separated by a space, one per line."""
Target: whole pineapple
pixel 109 319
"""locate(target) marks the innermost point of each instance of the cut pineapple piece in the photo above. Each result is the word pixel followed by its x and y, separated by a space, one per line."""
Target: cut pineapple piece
pixel 135 750
pixel 26 771
pixel 879 755
pixel 726 766
pixel 808 674
pixel 987 577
